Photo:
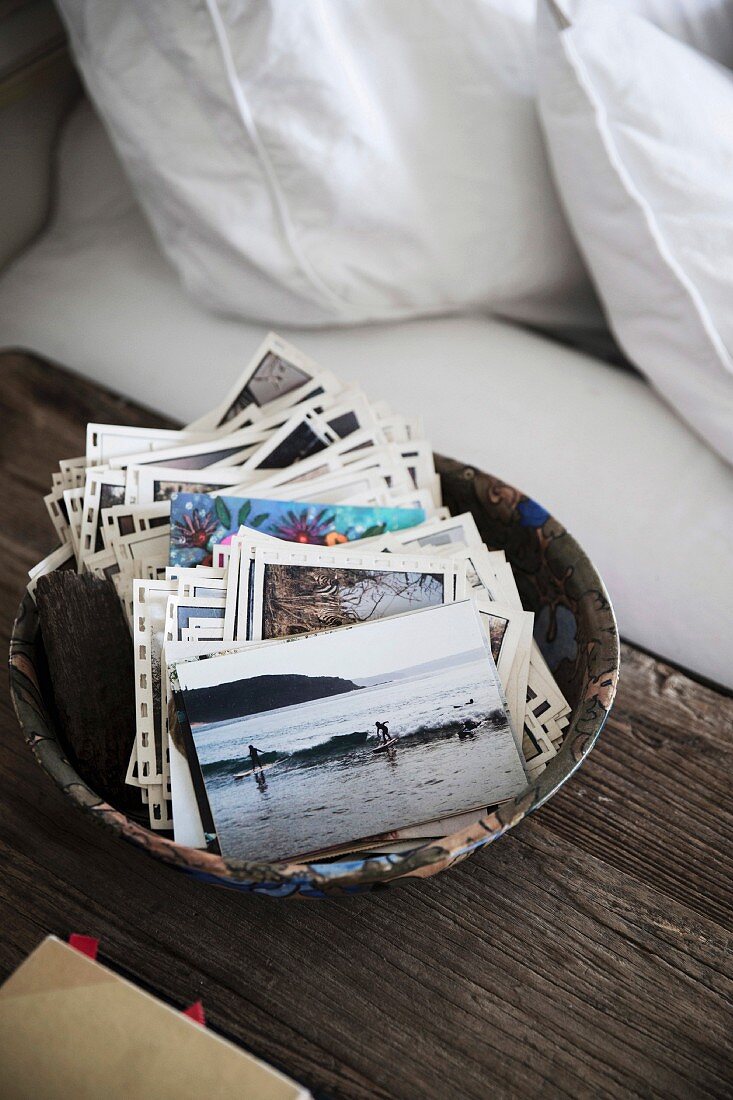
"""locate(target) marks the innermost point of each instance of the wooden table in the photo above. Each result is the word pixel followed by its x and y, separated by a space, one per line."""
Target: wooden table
pixel 586 954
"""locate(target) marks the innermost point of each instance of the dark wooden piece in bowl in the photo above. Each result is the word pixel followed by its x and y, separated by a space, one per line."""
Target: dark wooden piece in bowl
pixel 90 660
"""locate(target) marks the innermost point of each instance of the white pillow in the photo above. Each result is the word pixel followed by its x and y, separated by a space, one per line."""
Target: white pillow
pixel 640 132
pixel 334 162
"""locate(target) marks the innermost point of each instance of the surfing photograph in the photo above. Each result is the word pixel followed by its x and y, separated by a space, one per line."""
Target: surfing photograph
pixel 300 746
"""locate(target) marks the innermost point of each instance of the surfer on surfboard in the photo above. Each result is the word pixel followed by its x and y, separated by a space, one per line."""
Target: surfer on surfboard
pixel 254 755
pixel 382 732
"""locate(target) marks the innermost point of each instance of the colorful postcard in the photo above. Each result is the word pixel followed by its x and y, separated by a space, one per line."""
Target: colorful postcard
pixel 200 521
pixel 304 745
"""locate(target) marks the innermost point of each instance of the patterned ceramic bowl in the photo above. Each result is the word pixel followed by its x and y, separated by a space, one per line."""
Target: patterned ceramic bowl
pixel 574 626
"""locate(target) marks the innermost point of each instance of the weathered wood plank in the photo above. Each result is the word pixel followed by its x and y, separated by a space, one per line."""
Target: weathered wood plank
pixel 586 954
pixel 664 774
pixel 92 672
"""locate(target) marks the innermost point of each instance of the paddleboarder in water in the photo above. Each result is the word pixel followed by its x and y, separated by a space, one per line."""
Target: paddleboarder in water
pixel 382 732
pixel 254 755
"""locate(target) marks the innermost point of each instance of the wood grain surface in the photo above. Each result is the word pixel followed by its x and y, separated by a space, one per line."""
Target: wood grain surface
pixel 588 953
pixel 84 626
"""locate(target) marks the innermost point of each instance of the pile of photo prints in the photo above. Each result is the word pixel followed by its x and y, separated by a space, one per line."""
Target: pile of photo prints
pixel 326 660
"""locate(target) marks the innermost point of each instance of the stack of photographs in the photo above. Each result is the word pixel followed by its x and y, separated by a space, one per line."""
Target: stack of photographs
pixel 326 661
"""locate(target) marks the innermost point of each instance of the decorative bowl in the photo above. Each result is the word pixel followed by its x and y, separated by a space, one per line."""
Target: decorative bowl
pixel 574 626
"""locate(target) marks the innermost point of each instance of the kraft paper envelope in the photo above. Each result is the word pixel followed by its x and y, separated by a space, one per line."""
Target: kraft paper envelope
pixel 70 1027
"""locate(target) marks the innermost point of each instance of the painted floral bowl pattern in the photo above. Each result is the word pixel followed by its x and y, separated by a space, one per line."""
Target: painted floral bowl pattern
pixel 574 626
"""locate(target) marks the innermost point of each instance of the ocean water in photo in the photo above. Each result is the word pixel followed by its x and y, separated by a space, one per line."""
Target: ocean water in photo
pixel 325 786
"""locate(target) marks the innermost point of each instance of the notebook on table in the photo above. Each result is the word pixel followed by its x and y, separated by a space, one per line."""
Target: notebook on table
pixel 71 1027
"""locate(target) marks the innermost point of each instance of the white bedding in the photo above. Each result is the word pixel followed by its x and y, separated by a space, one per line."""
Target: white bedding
pixel 651 504
pixel 639 127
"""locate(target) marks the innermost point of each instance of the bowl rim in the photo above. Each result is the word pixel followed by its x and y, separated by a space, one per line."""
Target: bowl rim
pixel 313 877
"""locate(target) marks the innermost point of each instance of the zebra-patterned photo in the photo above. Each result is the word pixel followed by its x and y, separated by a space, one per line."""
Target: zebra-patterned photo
pixel 305 593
